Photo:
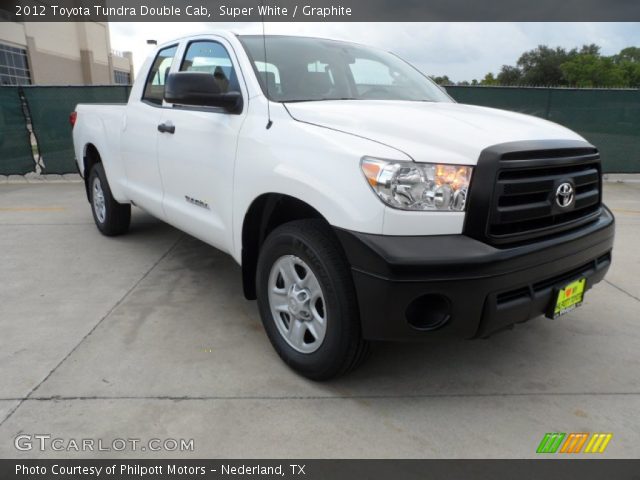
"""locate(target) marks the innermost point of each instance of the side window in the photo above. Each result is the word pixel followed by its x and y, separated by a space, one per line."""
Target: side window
pixel 211 57
pixel 154 88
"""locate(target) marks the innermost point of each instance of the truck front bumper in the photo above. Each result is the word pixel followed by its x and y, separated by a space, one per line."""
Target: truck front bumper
pixel 453 285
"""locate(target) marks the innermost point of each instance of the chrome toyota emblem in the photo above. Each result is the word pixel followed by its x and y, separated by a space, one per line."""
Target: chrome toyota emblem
pixel 565 195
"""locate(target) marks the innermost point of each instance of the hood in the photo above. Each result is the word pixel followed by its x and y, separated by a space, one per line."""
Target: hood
pixel 429 132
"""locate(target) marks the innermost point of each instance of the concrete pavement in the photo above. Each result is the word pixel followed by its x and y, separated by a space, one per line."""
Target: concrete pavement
pixel 148 336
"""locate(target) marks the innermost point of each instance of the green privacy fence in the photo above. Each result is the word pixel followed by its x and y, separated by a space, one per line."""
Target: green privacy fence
pixel 609 119
pixel 16 156
pixel 49 108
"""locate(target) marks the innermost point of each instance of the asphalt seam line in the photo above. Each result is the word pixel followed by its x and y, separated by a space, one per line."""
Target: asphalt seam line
pixel 31 224
pixel 104 317
pixel 56 398
pixel 33 209
pixel 622 290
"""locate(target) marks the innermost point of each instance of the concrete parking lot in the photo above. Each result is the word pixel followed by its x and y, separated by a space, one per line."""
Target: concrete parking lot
pixel 148 336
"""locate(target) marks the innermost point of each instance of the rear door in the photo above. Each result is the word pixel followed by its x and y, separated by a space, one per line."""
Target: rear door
pixel 196 153
pixel 140 136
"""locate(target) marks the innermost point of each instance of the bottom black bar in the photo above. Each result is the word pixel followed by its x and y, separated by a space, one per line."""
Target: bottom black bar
pixel 584 469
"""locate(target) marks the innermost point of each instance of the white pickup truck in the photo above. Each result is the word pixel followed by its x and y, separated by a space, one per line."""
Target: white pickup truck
pixel 361 201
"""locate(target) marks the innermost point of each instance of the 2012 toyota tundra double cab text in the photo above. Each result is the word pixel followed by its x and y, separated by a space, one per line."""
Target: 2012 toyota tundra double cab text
pixel 361 201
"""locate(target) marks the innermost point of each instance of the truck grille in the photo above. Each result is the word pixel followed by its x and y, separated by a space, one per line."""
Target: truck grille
pixel 525 198
pixel 522 204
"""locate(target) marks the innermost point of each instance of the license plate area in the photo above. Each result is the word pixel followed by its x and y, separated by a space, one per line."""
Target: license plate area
pixel 567 298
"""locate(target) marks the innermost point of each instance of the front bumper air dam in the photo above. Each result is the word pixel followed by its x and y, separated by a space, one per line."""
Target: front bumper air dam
pixel 482 289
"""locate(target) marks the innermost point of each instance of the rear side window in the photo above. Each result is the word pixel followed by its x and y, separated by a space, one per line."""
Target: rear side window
pixel 154 88
pixel 211 57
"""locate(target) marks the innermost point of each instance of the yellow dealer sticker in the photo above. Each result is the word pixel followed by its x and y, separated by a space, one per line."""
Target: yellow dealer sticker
pixel 568 298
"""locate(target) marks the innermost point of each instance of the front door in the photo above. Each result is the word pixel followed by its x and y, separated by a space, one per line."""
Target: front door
pixel 140 137
pixel 196 151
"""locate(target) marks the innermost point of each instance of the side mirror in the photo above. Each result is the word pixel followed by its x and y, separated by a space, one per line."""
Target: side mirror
pixel 200 89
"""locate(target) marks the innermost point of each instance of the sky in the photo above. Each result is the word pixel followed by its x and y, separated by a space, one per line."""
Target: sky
pixel 462 51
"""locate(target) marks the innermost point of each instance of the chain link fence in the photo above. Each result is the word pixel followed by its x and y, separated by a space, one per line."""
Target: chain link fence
pixel 49 109
pixel 16 154
pixel 35 135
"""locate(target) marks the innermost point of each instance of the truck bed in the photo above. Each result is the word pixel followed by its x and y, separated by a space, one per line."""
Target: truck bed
pixel 100 124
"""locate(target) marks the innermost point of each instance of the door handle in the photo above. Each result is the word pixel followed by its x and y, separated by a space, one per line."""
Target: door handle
pixel 166 128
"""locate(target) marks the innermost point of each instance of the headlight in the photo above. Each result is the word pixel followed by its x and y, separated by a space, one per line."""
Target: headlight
pixel 418 186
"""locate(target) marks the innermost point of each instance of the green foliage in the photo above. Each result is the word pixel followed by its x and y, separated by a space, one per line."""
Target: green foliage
pixel 592 71
pixel 489 79
pixel 443 80
pixel 585 67
pixel 592 49
pixel 631 72
pixel 631 54
pixel 541 66
pixel 628 60
pixel 510 76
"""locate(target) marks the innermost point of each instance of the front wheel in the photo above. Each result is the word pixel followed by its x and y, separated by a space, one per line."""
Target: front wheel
pixel 112 218
pixel 307 300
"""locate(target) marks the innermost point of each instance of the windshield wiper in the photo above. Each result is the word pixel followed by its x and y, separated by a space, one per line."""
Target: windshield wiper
pixel 317 99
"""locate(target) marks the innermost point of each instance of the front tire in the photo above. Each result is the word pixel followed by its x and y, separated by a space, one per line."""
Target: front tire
pixel 112 218
pixel 307 300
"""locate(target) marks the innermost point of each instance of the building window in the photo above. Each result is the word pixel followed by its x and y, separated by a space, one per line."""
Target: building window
pixel 14 67
pixel 122 78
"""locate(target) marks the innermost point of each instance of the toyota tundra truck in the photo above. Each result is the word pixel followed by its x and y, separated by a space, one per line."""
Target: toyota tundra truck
pixel 360 200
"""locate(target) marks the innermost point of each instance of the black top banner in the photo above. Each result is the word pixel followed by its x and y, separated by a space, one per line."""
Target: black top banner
pixel 320 10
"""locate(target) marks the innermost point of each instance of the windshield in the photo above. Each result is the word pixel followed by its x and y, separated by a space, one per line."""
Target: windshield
pixel 301 69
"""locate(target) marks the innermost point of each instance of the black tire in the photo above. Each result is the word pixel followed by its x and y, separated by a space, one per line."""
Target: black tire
pixel 116 216
pixel 342 348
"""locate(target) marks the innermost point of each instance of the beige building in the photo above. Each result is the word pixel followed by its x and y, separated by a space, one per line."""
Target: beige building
pixel 61 53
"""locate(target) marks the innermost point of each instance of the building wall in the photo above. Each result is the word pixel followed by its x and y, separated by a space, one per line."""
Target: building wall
pixel 12 33
pixel 66 53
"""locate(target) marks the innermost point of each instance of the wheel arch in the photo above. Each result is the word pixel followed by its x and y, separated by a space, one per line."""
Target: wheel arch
pixel 90 157
pixel 267 212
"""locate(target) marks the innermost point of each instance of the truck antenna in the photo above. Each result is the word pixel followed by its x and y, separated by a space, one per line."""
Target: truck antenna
pixel 266 80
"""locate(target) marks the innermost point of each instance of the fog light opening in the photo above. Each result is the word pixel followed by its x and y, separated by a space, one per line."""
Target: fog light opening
pixel 429 312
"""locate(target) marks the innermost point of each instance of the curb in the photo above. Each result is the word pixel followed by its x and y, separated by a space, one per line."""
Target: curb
pixel 41 179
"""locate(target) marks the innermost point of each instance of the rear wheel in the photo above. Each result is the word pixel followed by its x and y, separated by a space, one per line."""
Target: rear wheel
pixel 307 300
pixel 112 218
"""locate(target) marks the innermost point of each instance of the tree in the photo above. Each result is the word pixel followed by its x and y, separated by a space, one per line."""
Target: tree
pixel 591 49
pixel 541 66
pixel 509 75
pixel 582 67
pixel 443 80
pixel 629 62
pixel 489 79
pixel 631 72
pixel 588 70
pixel 630 54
